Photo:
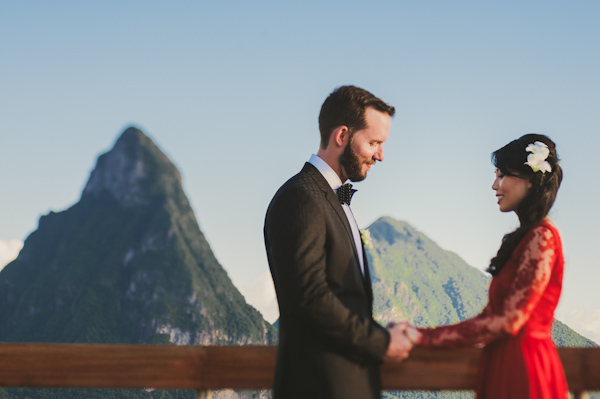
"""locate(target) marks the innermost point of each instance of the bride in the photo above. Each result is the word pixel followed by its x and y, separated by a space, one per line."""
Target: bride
pixel 519 359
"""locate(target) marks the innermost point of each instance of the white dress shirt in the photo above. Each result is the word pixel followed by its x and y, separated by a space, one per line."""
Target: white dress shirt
pixel 335 182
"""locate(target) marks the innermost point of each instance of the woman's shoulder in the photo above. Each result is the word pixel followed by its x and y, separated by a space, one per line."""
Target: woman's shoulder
pixel 544 231
pixel 546 227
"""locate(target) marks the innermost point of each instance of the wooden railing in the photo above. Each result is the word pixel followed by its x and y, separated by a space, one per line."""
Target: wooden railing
pixel 206 368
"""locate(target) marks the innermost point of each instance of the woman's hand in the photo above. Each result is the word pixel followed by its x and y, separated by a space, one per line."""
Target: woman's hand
pixel 413 334
pixel 410 331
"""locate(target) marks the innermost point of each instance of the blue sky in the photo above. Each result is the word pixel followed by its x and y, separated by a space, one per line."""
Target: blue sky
pixel 231 92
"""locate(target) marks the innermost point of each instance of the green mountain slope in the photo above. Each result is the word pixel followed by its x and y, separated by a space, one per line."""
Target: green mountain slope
pixel 416 280
pixel 126 264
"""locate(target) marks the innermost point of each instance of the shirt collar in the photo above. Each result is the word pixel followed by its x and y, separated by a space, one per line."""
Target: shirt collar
pixel 328 173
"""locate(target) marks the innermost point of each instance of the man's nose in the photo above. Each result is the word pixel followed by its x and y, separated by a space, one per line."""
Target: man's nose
pixel 379 154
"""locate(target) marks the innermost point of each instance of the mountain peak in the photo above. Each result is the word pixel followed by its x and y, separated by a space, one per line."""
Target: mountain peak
pixel 391 230
pixel 133 170
pixel 133 133
pixel 128 263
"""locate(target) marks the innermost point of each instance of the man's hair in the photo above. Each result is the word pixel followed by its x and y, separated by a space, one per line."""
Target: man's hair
pixel 346 106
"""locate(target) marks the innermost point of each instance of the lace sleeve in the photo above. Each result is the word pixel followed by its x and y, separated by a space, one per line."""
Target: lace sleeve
pixel 533 274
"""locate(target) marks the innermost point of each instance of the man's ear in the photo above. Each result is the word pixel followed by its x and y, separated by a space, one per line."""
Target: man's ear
pixel 340 136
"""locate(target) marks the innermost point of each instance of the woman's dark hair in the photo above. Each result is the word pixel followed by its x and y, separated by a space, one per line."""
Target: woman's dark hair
pixel 511 161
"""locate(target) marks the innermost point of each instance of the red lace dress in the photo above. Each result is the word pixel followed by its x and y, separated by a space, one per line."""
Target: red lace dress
pixel 519 359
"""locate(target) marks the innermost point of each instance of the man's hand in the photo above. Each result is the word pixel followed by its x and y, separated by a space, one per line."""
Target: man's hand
pixel 400 345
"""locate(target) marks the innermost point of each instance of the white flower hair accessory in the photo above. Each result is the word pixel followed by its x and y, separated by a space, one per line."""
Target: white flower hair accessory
pixel 537 159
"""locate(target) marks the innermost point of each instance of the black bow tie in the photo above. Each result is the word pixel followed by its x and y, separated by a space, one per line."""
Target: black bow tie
pixel 345 193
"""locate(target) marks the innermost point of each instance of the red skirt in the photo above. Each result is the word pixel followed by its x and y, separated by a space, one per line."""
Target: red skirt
pixel 521 367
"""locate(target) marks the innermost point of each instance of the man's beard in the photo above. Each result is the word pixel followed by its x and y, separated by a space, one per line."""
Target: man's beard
pixel 352 163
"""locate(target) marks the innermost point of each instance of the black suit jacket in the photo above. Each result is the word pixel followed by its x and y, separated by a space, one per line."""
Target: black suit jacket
pixel 329 344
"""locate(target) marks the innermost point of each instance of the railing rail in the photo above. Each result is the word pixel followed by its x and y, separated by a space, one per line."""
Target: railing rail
pixel 206 368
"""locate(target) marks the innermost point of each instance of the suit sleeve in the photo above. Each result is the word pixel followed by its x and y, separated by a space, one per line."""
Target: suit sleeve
pixel 296 241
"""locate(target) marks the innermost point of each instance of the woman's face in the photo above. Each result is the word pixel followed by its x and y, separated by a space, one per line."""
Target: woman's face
pixel 510 191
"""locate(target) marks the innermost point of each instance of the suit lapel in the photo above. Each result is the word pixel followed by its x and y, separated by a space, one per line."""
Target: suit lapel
pixel 333 200
pixel 367 282
pixel 335 204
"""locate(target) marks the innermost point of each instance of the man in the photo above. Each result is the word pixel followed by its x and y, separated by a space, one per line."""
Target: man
pixel 329 344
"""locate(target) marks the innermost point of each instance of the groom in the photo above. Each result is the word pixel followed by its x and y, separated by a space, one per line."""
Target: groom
pixel 329 344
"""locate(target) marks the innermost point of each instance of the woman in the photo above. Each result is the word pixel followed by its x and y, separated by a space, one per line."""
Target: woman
pixel 519 359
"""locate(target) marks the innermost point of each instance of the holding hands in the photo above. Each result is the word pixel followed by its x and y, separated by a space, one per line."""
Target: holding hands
pixel 403 337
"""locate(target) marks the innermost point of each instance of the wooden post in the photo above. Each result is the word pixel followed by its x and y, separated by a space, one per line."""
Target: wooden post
pixel 204 394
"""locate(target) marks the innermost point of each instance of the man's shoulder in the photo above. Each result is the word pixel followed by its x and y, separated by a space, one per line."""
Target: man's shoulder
pixel 303 190
pixel 308 179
